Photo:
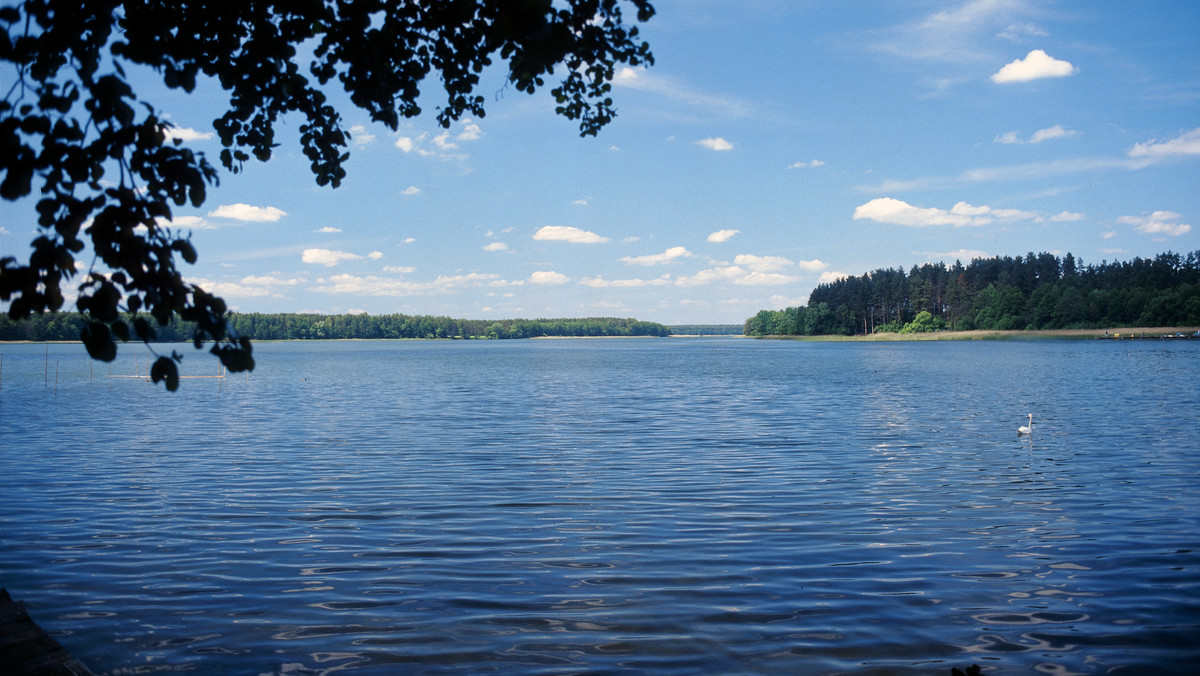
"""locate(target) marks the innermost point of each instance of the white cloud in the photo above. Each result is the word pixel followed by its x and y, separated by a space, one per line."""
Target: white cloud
pixel 408 240
pixel 810 163
pixel 599 282
pixel 1066 216
pixel 410 191
pixel 496 246
pixel 328 229
pixel 722 235
pixel 271 280
pixel 580 203
pixel 1158 223
pixel 762 263
pixel 674 253
pixel 399 269
pixel 1187 143
pixel 470 131
pixel 1057 131
pixel 360 137
pixel 329 258
pixel 813 265
pixel 445 145
pixel 186 134
pixel 566 233
pixel 194 222
pixel 548 277
pixel 898 212
pixel 831 277
pixel 372 285
pixel 1037 64
pixel 735 274
pixel 715 143
pixel 246 212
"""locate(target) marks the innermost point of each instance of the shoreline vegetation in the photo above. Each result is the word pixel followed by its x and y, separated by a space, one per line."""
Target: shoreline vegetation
pixel 1123 333
pixel 1039 292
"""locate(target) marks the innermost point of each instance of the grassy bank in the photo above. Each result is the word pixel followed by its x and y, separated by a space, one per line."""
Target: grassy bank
pixel 1058 334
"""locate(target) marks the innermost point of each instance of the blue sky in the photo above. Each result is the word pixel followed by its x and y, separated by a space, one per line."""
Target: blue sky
pixel 775 144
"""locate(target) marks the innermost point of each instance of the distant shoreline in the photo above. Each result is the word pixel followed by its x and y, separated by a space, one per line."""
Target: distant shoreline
pixel 1127 333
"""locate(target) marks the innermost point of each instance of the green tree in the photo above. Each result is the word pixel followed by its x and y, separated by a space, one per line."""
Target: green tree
pixel 73 130
pixel 924 322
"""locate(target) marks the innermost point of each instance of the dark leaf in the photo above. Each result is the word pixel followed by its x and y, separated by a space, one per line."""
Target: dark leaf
pixel 164 369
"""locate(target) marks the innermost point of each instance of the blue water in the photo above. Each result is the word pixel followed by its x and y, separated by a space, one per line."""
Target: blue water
pixel 611 506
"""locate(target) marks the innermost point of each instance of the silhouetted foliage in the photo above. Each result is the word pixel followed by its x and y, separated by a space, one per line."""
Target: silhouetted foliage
pixel 73 130
pixel 1031 292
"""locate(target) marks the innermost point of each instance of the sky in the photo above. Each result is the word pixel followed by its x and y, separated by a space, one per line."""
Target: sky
pixel 775 145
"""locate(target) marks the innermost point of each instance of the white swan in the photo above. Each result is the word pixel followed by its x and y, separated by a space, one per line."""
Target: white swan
pixel 1026 430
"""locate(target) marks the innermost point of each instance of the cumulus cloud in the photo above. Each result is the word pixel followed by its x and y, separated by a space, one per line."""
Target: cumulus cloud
pixel 186 134
pixel 899 212
pixel 411 191
pixel 399 269
pixel 762 263
pixel 674 253
pixel 329 258
pixel 812 266
pixel 1187 143
pixel 252 286
pixel 810 163
pixel 598 282
pixel 360 137
pixel 735 274
pixel 1057 131
pixel 372 285
pixel 831 277
pixel 548 277
pixel 1158 223
pixel 270 280
pixel 496 246
pixel 1067 216
pixel 1037 64
pixel 567 233
pixel 443 146
pixel 248 213
pixel 715 143
pixel 722 235
pixel 328 229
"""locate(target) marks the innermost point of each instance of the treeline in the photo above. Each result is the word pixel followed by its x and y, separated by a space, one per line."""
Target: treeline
pixel 1038 291
pixel 706 329
pixel 257 326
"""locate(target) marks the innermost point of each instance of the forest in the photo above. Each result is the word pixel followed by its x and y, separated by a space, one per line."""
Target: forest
pixel 257 326
pixel 1036 291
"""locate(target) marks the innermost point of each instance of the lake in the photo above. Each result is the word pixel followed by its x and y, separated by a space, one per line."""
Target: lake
pixel 674 506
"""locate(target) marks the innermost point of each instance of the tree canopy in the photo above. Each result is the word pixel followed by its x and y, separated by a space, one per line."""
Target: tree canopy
pixel 105 170
pixel 1039 291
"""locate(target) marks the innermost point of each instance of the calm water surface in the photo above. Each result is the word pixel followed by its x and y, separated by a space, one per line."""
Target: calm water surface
pixel 611 506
